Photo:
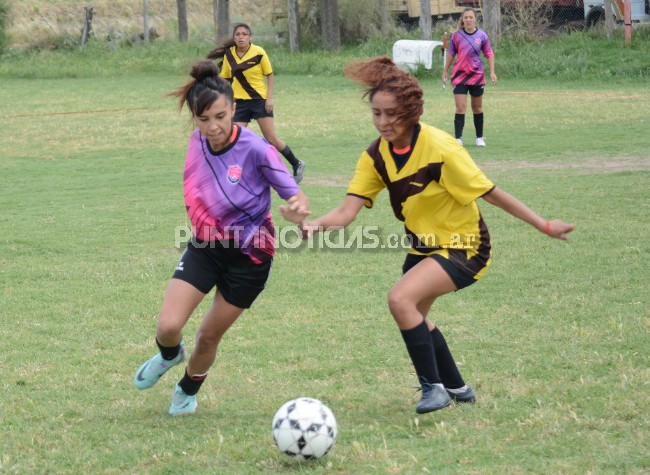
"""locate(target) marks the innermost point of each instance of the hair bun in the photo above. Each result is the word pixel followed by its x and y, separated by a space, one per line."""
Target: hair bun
pixel 204 69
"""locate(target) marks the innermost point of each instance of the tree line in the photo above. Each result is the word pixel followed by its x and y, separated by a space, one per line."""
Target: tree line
pixel 328 18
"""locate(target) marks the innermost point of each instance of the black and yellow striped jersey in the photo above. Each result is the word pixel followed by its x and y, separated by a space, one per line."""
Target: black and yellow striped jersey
pixel 247 73
pixel 433 192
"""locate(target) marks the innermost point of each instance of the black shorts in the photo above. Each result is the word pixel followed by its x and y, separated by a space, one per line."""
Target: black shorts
pixel 460 277
pixel 237 277
pixel 250 109
pixel 474 91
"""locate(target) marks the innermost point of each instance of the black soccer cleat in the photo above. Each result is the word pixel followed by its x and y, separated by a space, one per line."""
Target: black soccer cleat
pixel 298 171
pixel 434 397
pixel 464 394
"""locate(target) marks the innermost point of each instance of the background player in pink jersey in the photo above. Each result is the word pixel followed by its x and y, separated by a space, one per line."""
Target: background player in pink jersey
pixel 466 45
pixel 229 173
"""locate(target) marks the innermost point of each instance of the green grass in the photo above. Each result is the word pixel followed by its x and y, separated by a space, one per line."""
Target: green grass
pixel 575 58
pixel 554 339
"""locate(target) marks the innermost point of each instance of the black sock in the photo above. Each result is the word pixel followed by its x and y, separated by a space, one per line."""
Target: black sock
pixel 447 368
pixel 288 154
pixel 459 125
pixel 169 352
pixel 478 124
pixel 420 347
pixel 191 384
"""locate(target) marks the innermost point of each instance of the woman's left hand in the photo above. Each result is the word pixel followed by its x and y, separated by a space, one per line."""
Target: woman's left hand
pixel 268 105
pixel 558 229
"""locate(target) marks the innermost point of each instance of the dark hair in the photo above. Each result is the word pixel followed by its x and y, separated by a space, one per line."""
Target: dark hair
pixel 381 74
pixel 203 89
pixel 220 51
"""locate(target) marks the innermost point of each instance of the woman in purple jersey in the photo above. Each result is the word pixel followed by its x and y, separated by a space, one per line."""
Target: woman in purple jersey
pixel 467 44
pixel 229 173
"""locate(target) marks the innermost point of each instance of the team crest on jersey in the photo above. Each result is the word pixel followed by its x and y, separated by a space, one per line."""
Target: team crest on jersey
pixel 478 41
pixel 234 174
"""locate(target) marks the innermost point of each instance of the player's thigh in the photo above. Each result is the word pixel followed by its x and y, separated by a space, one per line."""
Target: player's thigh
pixel 422 284
pixel 461 103
pixel 267 127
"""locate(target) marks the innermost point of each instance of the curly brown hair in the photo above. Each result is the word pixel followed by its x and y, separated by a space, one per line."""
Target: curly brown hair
pixel 381 74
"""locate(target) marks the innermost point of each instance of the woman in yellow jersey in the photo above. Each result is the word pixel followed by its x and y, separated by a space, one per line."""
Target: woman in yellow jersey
pixel 246 65
pixel 433 185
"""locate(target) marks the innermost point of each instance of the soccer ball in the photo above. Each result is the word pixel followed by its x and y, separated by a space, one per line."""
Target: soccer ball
pixel 304 429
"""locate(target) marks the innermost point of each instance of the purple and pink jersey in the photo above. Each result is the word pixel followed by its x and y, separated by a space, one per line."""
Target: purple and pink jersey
pixel 468 69
pixel 227 193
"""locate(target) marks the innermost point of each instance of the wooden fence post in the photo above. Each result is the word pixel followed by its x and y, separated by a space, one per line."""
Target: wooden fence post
pixel 88 25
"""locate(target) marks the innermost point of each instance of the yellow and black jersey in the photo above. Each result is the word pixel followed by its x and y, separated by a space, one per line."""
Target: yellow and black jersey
pixel 433 190
pixel 247 73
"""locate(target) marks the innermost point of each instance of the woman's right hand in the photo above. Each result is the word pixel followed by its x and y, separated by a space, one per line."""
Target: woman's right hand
pixel 296 209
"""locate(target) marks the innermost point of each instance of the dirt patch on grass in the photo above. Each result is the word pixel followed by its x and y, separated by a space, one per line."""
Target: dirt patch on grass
pixel 329 180
pixel 584 167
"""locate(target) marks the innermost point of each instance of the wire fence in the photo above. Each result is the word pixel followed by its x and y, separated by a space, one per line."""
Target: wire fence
pixel 525 16
pixel 529 16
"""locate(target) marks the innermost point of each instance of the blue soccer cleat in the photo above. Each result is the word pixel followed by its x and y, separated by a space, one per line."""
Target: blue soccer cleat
pixel 150 372
pixel 182 404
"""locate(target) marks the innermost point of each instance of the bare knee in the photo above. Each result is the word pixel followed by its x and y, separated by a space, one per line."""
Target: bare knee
pixel 398 304
pixel 169 332
pixel 404 308
pixel 207 341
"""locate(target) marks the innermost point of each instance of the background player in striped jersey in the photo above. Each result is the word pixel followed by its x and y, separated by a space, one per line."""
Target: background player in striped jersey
pixel 433 185
pixel 467 43
pixel 229 173
pixel 246 65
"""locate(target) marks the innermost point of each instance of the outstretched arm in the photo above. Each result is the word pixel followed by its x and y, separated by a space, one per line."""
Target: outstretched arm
pixel 556 228
pixel 296 209
pixel 337 218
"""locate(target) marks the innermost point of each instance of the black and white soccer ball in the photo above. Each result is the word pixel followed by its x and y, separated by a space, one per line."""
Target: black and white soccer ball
pixel 304 429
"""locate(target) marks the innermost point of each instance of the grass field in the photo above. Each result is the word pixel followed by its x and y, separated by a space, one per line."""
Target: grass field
pixel 554 339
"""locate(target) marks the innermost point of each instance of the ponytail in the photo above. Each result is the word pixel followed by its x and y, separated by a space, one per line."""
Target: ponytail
pixel 203 89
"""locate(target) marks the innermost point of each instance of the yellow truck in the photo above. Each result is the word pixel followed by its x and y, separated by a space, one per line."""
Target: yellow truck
pixel 407 11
